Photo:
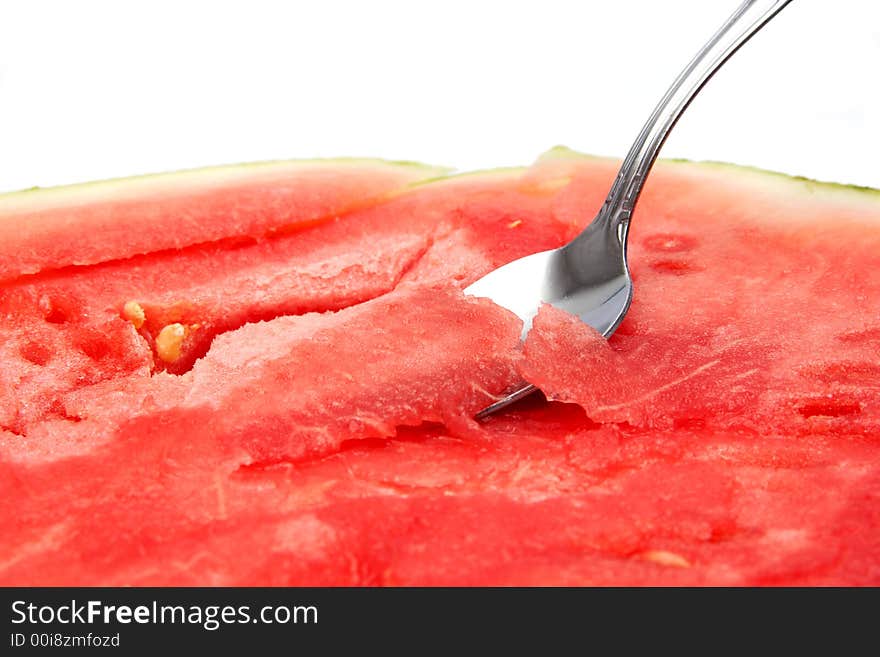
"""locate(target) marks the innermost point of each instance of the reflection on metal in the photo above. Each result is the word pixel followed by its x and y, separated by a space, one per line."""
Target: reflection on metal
pixel 589 277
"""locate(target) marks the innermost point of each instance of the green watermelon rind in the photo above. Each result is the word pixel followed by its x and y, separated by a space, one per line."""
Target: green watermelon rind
pixel 464 176
pixel 806 184
pixel 432 175
pixel 802 183
pixel 102 189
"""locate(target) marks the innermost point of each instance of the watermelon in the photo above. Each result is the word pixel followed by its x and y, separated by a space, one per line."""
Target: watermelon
pixel 44 229
pixel 284 395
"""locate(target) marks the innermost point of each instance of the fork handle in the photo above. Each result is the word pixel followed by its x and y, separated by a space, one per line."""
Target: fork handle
pixel 750 17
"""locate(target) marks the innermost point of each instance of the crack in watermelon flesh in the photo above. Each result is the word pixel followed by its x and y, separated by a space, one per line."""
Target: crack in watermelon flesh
pixel 316 415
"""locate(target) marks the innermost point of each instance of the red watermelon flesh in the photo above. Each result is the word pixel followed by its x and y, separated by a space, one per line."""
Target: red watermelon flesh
pixel 269 379
pixel 600 505
pixel 44 229
pixel 679 381
pixel 750 317
pixel 212 288
pixel 405 358
pixel 683 490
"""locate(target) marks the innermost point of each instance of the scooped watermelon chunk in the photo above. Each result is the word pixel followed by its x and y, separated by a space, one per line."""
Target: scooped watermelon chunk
pixel 671 380
pixel 699 444
pixel 297 387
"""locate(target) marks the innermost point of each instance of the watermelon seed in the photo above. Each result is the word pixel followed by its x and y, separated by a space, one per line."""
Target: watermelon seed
pixel 169 342
pixel 134 313
pixel 666 558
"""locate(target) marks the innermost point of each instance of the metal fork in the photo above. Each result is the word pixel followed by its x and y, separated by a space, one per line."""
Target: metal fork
pixel 589 276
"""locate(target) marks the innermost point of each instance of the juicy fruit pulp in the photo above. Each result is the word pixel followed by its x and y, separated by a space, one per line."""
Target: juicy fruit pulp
pixel 303 397
pixel 89 224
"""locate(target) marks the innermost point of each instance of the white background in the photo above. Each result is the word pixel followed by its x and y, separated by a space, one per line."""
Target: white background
pixel 101 89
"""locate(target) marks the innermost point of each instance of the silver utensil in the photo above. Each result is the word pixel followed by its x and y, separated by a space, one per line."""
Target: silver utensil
pixel 589 277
